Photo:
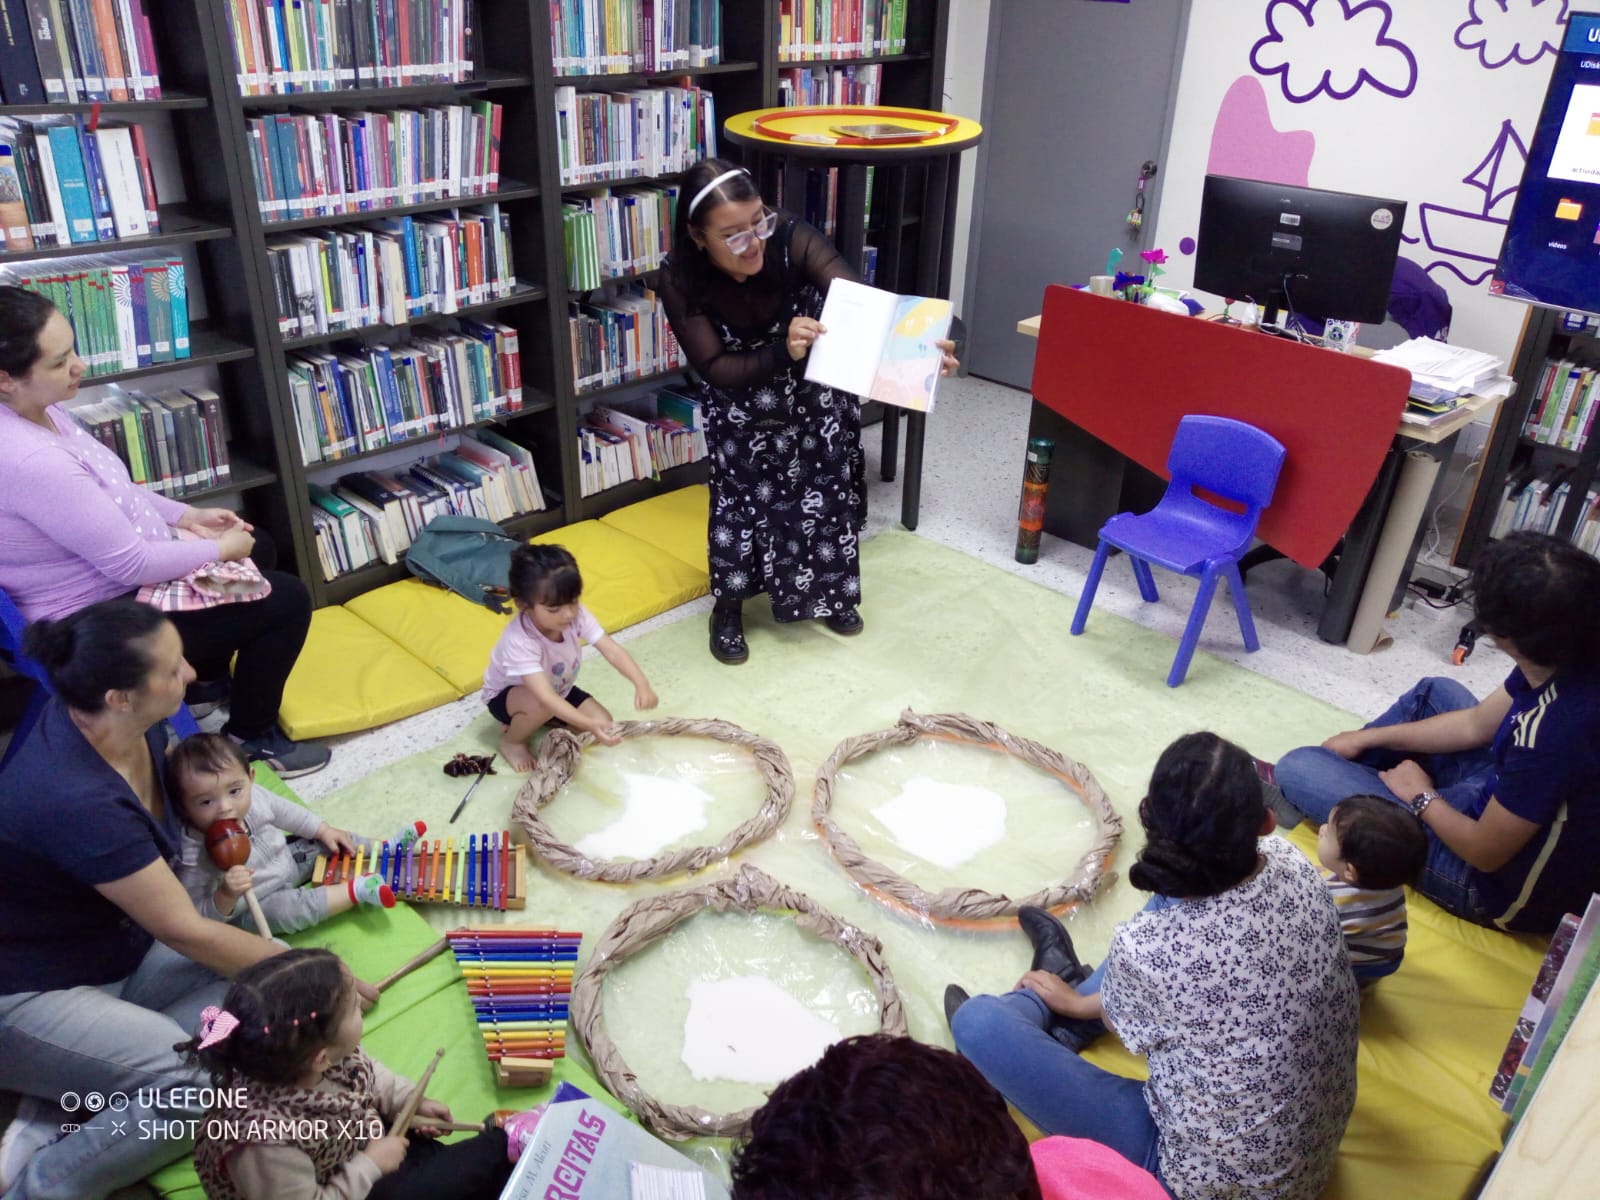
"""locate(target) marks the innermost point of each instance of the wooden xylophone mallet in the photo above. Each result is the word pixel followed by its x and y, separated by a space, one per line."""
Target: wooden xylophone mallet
pixel 484 870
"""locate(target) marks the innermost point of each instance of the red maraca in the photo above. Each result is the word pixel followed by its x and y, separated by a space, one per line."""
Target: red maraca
pixel 229 846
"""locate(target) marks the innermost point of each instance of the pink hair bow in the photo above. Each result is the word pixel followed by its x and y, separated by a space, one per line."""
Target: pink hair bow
pixel 215 1025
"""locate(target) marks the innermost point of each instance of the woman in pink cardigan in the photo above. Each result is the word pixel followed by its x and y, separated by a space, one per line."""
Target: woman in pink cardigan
pixel 75 529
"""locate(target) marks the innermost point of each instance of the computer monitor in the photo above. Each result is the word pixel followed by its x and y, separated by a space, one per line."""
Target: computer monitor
pixel 1326 255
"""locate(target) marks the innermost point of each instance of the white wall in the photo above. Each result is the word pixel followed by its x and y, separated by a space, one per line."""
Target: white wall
pixel 963 94
pixel 1401 98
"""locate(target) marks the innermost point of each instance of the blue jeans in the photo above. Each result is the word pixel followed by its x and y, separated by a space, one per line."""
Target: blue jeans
pixel 1315 780
pixel 115 1038
pixel 1007 1039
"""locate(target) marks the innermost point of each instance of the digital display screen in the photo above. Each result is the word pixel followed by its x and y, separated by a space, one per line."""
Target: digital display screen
pixel 1551 255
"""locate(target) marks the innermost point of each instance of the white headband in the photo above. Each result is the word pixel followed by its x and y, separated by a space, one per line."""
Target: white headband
pixel 703 192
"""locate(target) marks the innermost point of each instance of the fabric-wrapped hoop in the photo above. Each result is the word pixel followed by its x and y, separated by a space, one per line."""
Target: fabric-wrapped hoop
pixel 558 759
pixel 955 905
pixel 652 918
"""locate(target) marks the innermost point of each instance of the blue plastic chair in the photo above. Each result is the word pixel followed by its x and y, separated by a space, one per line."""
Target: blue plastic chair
pixel 1191 535
pixel 11 627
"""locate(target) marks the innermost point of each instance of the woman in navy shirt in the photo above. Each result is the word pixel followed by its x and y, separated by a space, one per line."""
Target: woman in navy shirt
pixel 104 962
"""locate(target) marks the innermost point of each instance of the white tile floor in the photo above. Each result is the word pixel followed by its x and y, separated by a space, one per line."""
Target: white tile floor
pixel 970 489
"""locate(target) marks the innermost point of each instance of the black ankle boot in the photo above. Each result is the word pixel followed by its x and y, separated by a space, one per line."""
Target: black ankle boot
pixel 847 623
pixel 727 636
pixel 1073 1032
pixel 1052 945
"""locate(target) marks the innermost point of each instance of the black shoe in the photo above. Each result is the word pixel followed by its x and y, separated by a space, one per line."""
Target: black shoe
pixel 727 636
pixel 1073 1032
pixel 954 997
pixel 1052 945
pixel 846 624
pixel 205 698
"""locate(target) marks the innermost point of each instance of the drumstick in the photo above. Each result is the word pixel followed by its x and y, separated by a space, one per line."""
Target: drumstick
pixel 481 773
pixel 454 1126
pixel 403 1121
pixel 414 962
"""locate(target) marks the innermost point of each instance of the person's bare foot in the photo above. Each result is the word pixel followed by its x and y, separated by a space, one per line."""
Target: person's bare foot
pixel 516 754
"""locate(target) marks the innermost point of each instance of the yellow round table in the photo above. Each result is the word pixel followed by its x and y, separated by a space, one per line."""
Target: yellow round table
pixel 787 142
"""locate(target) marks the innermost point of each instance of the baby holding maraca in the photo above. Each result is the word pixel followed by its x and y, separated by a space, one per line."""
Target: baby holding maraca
pixel 234 843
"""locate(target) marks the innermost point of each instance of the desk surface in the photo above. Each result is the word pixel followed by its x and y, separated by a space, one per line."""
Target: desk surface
pixel 1463 415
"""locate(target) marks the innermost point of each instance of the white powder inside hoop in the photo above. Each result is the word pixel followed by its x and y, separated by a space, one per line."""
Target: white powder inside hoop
pixel 750 1030
pixel 656 813
pixel 946 824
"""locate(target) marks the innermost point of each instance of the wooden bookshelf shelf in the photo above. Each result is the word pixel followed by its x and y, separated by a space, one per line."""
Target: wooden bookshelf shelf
pixel 427 442
pixel 387 97
pixel 521 294
pixel 649 78
pixel 178 225
pixel 113 109
pixel 862 61
pixel 622 181
pixel 509 190
pixel 627 384
pixel 244 475
pixel 207 347
pixel 624 494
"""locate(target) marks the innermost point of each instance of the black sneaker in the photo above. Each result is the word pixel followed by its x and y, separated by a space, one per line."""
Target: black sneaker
pixel 727 636
pixel 1052 945
pixel 846 624
pixel 954 997
pixel 205 698
pixel 290 759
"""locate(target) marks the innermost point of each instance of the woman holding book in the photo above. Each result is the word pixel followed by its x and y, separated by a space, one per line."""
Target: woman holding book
pixel 742 289
pixel 76 529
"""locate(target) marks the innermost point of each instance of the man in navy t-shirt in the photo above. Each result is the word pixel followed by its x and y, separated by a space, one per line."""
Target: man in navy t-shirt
pixel 1506 786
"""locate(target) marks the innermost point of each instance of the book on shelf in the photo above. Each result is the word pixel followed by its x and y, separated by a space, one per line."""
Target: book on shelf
pixel 69 51
pixel 63 183
pixel 880 346
pixel 390 272
pixel 616 232
pixel 857 84
pixel 326 164
pixel 811 29
pixel 618 444
pixel 170 440
pixel 619 335
pixel 1562 410
pixel 288 48
pixel 1533 1008
pixel 1567 994
pixel 126 312
pixel 634 36
pixel 644 132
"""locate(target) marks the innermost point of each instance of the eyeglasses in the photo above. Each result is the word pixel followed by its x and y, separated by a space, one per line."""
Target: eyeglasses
pixel 763 229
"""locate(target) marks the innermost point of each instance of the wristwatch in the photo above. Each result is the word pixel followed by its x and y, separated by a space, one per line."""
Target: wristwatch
pixel 1421 801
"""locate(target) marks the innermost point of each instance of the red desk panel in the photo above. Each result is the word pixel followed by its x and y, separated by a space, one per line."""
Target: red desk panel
pixel 1127 373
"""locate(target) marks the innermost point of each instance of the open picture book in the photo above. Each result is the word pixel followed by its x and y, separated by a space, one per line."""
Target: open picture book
pixel 879 345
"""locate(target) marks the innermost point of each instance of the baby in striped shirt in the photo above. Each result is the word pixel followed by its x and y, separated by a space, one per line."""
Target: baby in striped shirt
pixel 1371 848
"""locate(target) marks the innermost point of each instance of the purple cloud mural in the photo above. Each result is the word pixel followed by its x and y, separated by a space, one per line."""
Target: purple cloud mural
pixel 1333 48
pixel 1499 30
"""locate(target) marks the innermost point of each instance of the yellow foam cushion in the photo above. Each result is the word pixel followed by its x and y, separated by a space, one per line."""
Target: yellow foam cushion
pixel 1431 1037
pixel 673 521
pixel 447 632
pixel 626 580
pixel 349 676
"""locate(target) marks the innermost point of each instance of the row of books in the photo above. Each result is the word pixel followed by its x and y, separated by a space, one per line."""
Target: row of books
pixel 62 183
pixel 1566 976
pixel 324 164
pixel 352 399
pixel 393 271
pixel 1538 501
pixel 171 441
pixel 373 516
pixel 616 232
pixel 125 312
pixel 282 47
pixel 618 37
pixel 644 132
pixel 620 337
pixel 66 51
pixel 617 446
pixel 810 29
pixel 830 85
pixel 1563 408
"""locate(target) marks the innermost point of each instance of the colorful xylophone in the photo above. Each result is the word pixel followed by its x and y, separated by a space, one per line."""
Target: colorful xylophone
pixel 479 870
pixel 520 982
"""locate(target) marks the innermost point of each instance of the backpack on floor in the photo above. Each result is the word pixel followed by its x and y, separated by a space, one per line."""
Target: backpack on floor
pixel 468 555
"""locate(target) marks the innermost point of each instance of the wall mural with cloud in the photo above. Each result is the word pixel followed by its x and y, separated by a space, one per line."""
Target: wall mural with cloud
pixel 1429 101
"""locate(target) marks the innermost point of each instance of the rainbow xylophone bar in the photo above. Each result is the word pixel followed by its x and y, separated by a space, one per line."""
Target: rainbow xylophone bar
pixel 485 870
pixel 520 985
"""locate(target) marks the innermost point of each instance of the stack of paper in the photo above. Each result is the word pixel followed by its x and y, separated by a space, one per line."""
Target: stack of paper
pixel 1441 372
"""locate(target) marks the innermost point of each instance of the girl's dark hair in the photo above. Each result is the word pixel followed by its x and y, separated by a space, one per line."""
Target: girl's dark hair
pixel 288 1008
pixel 22 315
pixel 98 649
pixel 202 754
pixel 1201 818
pixel 543 574
pixel 1535 590
pixel 1385 843
pixel 687 259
